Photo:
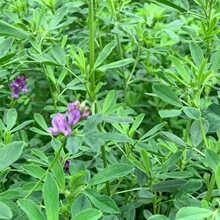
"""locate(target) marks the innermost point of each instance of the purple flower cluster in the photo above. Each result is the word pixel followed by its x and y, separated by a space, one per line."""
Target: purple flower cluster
pixel 19 85
pixel 62 122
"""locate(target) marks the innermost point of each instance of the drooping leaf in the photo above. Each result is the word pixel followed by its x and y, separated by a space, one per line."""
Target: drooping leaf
pixel 217 177
pixel 193 213
pixel 180 69
pixel 9 30
pixel 58 54
pixel 169 185
pixel 5 46
pixel 31 209
pixel 166 94
pixel 195 131
pixel 172 5
pixel 212 115
pixel 80 204
pixel 158 217
pixel 5 211
pixel 169 113
pixel 11 117
pixel 153 130
pixel 212 158
pixel 92 122
pixel 192 113
pixel 102 202
pixel 10 153
pixel 51 197
pixel 196 53
pixel 88 214
pixel 116 64
pixel 173 138
pixel 110 173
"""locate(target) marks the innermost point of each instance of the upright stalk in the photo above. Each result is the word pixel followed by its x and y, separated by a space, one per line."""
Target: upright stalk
pixel 92 78
pixel 91 45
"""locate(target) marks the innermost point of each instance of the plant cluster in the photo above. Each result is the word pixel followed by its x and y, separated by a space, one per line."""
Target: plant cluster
pixel 110 110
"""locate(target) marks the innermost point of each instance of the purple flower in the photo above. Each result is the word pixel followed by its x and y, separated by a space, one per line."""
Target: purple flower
pixel 60 125
pixel 73 113
pixel 19 85
pixel 85 113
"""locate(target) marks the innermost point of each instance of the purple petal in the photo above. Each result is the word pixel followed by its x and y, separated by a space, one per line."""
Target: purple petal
pixel 60 125
pixel 74 117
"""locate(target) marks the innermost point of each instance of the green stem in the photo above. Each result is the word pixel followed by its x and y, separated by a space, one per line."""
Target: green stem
pixel 210 188
pixel 91 44
pixel 203 133
pixel 105 163
pixel 50 88
pixel 57 157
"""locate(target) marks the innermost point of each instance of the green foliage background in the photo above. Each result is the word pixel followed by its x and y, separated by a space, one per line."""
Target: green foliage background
pixel 149 71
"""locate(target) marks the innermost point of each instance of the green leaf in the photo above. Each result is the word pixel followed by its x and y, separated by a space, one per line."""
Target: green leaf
pixel 153 130
pixel 217 177
pixel 136 124
pixel 113 119
pixel 158 217
pixel 5 46
pixel 173 138
pixel 11 117
pixel 195 131
pixel 212 114
pixel 172 5
pixel 22 125
pixel 58 173
pixel 58 17
pixel 111 137
pixel 136 163
pixel 116 64
pixel 169 185
pixel 169 113
pixel 191 187
pixel 171 161
pixel 80 204
pixel 10 153
pixel 38 131
pixel 51 198
pixel 180 69
pixel 166 94
pixel 196 53
pixel 176 175
pixel 31 209
pixel 41 122
pixel 104 54
pixel 12 16
pixel 212 158
pixel 109 101
pixel 193 213
pixel 9 30
pixel 92 121
pixel 110 173
pixel 102 202
pixel 192 113
pixel 88 214
pixel 5 211
pixel 33 170
pixel 58 54
pixel 146 161
pixel 215 61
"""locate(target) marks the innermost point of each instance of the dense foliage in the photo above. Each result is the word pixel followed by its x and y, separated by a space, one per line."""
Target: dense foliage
pixel 110 109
